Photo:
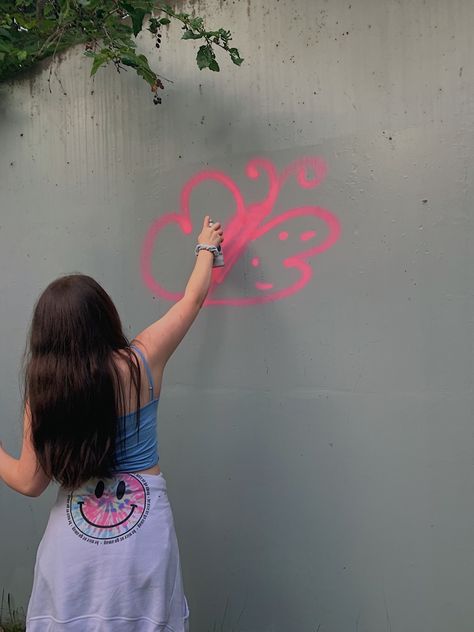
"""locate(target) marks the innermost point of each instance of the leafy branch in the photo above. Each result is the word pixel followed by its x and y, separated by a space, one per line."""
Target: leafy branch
pixel 32 30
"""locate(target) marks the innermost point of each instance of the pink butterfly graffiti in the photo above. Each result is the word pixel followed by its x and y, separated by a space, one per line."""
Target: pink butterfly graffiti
pixel 247 226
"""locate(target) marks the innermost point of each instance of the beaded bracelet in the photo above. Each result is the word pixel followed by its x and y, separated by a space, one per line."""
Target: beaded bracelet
pixel 209 247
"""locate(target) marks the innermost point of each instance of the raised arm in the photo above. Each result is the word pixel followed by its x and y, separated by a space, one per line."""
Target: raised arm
pixel 162 337
pixel 24 475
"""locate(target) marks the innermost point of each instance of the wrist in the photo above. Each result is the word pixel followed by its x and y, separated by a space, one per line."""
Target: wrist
pixel 210 248
pixel 202 254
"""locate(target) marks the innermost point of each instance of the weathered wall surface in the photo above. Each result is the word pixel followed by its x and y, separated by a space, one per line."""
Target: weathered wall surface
pixel 316 426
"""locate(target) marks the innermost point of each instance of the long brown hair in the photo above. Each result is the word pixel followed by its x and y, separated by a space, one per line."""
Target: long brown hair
pixel 72 384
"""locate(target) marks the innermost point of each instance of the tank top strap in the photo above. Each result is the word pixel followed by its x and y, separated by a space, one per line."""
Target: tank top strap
pixel 147 368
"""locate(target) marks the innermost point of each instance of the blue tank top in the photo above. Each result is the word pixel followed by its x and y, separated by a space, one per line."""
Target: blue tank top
pixel 137 448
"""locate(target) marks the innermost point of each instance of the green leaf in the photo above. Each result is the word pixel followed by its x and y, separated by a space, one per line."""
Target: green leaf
pixel 204 57
pixel 196 23
pixel 24 40
pixel 190 35
pixel 99 60
pixel 6 34
pixel 46 26
pixel 6 48
pixel 235 56
pixel 140 63
pixel 137 14
pixel 129 60
pixel 153 25
pixel 133 5
pixel 25 22
pixel 137 21
pixel 148 75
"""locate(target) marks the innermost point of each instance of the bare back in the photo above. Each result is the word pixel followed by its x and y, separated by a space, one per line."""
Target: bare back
pixel 158 342
pixel 132 401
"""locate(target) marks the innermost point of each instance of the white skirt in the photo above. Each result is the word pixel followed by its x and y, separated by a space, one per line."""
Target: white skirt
pixel 109 561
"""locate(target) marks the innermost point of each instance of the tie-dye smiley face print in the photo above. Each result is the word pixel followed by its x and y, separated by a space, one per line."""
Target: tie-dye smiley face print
pixel 104 509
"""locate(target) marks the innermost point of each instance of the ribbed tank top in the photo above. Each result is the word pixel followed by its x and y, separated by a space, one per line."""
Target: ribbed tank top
pixel 137 448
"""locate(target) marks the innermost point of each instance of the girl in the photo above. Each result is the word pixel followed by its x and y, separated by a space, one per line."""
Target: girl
pixel 108 560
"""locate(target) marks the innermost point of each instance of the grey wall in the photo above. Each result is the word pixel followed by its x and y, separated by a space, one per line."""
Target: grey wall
pixel 319 448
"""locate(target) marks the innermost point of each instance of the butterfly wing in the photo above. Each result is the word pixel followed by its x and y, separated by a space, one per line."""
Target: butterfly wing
pixel 276 263
pixel 267 259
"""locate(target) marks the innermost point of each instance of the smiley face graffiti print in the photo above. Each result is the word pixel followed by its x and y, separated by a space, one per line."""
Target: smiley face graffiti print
pixel 108 510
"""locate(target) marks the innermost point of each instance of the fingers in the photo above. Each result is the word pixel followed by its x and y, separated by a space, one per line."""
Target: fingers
pixel 215 226
pixel 211 230
pixel 220 232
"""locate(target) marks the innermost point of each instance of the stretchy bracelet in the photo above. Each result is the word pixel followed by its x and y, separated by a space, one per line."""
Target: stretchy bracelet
pixel 209 247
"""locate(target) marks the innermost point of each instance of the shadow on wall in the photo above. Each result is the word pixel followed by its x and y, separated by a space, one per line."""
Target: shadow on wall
pixel 258 496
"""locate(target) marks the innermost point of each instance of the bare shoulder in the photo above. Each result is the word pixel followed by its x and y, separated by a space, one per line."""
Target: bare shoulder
pixel 122 363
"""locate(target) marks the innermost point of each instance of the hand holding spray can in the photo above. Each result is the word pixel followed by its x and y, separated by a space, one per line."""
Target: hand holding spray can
pixel 219 258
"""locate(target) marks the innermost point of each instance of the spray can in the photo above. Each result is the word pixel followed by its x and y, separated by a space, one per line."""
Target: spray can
pixel 219 258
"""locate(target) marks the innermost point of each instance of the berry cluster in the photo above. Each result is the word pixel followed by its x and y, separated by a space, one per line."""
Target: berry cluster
pixel 158 85
pixel 154 27
pixel 158 39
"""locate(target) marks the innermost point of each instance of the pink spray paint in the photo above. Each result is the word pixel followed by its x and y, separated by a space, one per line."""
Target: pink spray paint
pixel 248 224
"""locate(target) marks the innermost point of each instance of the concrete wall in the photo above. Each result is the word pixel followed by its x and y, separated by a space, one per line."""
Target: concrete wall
pixel 318 446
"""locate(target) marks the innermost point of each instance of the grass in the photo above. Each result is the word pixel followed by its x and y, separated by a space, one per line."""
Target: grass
pixel 11 619
pixel 12 627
